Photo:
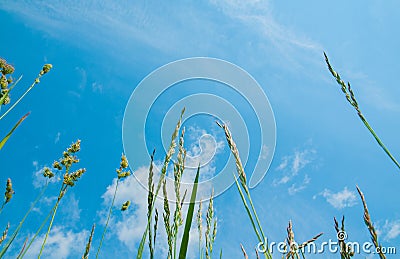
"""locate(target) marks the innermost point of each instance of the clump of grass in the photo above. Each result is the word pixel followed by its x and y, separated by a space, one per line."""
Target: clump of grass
pixel 122 173
pixel 177 219
pixel 151 205
pixel 345 250
pixel 351 99
pixel 369 224
pixel 89 243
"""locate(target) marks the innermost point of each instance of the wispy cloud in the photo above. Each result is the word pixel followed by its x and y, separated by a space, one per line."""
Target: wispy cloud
pixel 38 180
pixel 61 243
pixel 57 138
pixel 341 199
pixel 258 16
pixel 390 230
pixel 290 166
pixel 295 188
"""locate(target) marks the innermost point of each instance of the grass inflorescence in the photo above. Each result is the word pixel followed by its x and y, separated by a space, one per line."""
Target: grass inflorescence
pixel 351 99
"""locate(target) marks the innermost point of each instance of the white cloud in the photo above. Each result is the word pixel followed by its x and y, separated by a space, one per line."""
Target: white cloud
pixel 341 199
pixel 295 188
pixel 258 16
pixel 390 230
pixel 97 87
pixel 57 137
pixel 70 209
pixel 61 243
pixel 39 180
pixel 290 166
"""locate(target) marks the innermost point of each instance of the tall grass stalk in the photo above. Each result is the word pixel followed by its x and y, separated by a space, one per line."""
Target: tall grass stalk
pixel 200 228
pixel 121 174
pixel 211 228
pixel 347 90
pixel 243 184
pixel 89 243
pixel 345 250
pixel 67 160
pixel 108 219
pixel 369 224
pixel 167 159
pixel 150 197
pixel 179 167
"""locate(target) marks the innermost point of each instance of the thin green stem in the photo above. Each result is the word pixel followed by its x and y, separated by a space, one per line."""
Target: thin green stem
pixel 37 233
pixel 61 194
pixel 7 245
pixel 248 210
pixel 255 213
pixel 22 96
pixel 378 140
pixel 108 219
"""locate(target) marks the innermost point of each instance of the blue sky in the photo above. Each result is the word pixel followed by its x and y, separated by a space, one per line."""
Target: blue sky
pixel 101 50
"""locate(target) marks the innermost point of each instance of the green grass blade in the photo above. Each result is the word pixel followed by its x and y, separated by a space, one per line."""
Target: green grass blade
pixel 189 218
pixel 4 140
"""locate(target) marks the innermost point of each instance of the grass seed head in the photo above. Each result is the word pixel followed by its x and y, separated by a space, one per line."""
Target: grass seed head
pixel 47 173
pixel 126 205
pixel 9 191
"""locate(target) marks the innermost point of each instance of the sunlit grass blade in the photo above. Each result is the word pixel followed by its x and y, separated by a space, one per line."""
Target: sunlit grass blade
pixel 189 218
pixel 347 90
pixel 4 140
